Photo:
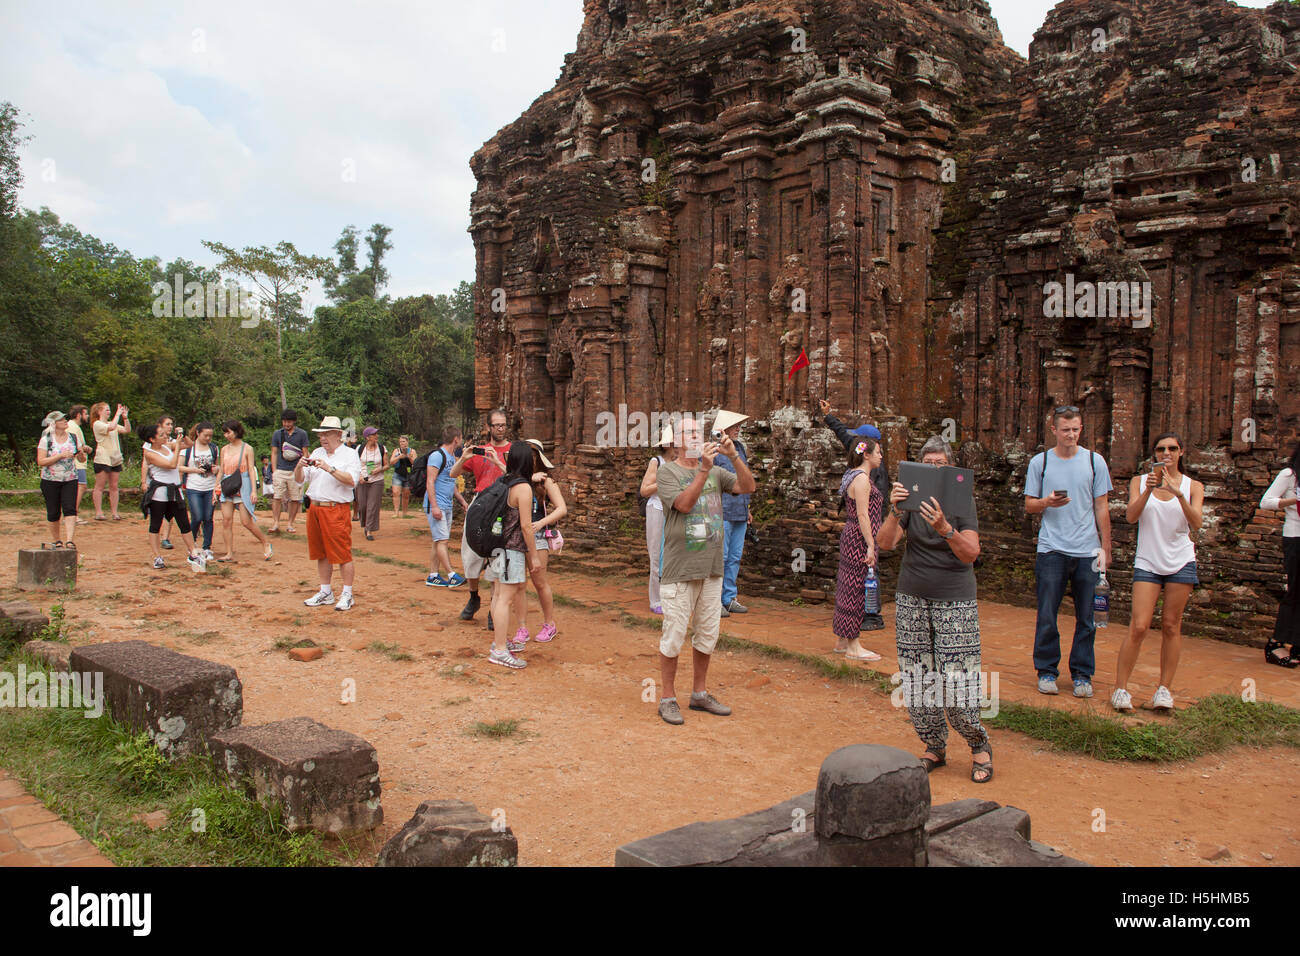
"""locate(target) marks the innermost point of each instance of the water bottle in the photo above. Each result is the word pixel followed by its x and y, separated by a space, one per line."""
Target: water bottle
pixel 872 592
pixel 1101 601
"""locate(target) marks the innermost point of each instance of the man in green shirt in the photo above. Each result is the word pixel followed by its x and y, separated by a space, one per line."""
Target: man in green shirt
pixel 690 569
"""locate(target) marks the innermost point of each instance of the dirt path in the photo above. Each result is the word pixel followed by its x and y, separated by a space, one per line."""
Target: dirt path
pixel 594 766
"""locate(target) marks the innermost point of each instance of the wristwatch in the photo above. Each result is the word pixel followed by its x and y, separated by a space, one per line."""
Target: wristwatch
pixel 951 531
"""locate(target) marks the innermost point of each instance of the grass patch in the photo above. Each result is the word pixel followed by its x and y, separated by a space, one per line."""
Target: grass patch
pixel 288 643
pixel 455 701
pixel 97 775
pixel 635 620
pixel 385 559
pixel 565 601
pixel 498 729
pixel 393 652
pixel 832 669
pixel 1213 723
pixel 220 569
pixel 113 596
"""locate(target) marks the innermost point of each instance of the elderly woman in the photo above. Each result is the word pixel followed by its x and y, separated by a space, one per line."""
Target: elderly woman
pixel 863 503
pixel 936 621
pixel 370 491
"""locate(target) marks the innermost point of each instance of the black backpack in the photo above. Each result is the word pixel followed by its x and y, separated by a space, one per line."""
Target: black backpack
pixel 485 519
pixel 418 481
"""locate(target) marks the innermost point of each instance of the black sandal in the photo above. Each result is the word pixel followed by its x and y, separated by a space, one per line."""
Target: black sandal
pixel 931 764
pixel 1287 660
pixel 976 766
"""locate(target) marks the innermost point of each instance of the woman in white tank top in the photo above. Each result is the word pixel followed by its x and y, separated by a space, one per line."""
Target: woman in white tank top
pixel 1166 505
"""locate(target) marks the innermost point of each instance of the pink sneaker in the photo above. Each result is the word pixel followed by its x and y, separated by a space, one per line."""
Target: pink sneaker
pixel 547 633
pixel 521 635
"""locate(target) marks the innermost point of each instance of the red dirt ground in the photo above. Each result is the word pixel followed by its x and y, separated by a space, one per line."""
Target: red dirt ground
pixel 594 766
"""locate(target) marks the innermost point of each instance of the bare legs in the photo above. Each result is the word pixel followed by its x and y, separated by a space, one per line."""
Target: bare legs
pixel 1145 595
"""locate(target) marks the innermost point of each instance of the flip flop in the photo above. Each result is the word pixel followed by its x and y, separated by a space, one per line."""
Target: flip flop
pixel 868 656
pixel 839 650
pixel 100 518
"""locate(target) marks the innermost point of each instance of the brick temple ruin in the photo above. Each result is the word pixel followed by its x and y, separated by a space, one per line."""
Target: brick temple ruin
pixel 712 186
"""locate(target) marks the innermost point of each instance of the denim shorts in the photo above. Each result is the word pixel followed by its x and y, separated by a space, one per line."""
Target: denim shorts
pixel 399 481
pixel 507 566
pixel 1184 575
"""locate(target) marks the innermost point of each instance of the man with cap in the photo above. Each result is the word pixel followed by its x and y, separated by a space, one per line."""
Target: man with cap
pixel 691 487
pixel 735 514
pixel 288 445
pixel 334 470
pixel 879 477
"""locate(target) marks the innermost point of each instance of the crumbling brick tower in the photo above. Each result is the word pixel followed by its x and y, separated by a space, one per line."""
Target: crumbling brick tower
pixel 792 152
pixel 651 225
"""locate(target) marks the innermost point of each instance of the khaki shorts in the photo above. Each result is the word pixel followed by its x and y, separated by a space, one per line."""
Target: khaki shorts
pixel 691 605
pixel 284 488
pixel 474 563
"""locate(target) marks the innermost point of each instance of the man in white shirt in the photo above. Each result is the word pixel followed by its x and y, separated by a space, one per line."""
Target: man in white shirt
pixel 334 470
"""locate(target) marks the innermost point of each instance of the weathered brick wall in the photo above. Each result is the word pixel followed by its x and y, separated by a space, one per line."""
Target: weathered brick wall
pixel 918 184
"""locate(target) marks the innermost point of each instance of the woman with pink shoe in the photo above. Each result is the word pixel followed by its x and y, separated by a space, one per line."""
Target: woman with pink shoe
pixel 546 538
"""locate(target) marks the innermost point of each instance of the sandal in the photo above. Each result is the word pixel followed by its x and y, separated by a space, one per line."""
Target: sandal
pixel 57 545
pixel 977 767
pixel 1287 660
pixel 931 764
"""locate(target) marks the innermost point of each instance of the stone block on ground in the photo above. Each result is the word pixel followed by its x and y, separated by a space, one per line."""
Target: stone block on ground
pixel 872 805
pixel 999 837
pixel 450 833
pixel 324 779
pixel 20 621
pixel 180 701
pixel 782 835
pixel 53 653
pixel 47 569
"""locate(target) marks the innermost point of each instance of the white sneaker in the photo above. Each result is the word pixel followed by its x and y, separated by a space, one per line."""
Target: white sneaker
pixel 320 598
pixel 196 563
pixel 345 602
pixel 1121 699
pixel 1163 700
pixel 208 556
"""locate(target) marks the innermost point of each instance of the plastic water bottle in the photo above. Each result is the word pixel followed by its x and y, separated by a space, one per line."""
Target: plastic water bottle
pixel 1101 602
pixel 872 592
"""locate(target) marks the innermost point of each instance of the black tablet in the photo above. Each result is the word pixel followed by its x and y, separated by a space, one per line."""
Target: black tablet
pixel 953 486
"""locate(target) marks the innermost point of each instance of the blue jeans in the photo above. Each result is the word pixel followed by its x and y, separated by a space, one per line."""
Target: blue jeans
pixel 733 546
pixel 201 514
pixel 1054 570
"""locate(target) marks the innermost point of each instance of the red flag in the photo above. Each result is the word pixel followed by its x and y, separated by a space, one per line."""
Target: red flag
pixel 800 362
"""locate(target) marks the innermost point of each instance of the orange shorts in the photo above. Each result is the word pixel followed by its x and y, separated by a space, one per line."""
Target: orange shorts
pixel 329 533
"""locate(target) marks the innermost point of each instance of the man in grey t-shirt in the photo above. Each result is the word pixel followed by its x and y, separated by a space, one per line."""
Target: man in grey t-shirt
pixel 690 570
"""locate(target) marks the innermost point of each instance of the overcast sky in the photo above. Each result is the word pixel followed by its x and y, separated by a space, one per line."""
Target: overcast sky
pixel 157 125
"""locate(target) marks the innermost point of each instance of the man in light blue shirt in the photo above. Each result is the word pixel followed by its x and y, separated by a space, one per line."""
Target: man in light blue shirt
pixel 1068 486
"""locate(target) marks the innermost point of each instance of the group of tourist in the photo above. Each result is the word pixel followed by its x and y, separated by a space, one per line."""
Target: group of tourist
pixel 937 635
pixel 695 495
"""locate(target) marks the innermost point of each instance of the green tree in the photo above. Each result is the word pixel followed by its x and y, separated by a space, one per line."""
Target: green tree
pixel 281 275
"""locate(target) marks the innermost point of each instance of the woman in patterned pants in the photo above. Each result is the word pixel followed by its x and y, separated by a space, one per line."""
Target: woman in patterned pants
pixel 936 622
